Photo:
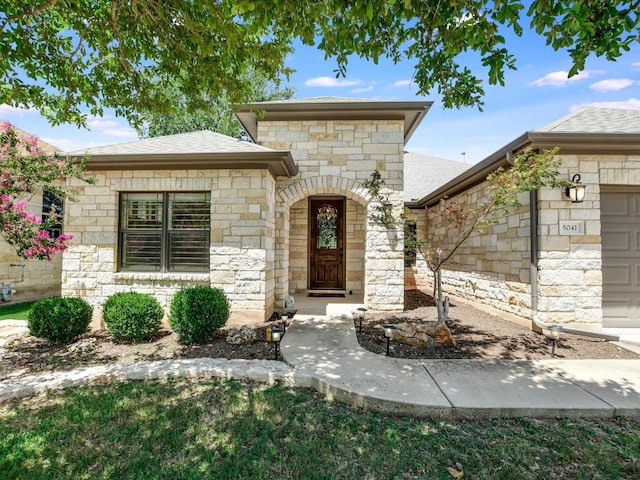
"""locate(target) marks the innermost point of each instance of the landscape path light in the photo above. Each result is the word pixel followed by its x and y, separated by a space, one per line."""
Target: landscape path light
pixel 275 338
pixel 360 317
pixel 388 331
pixel 284 316
pixel 554 334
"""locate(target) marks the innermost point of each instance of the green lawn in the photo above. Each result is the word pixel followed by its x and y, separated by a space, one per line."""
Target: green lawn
pixel 224 430
pixel 15 311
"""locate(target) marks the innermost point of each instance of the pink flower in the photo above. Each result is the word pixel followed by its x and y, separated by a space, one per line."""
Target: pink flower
pixel 19 205
pixel 19 177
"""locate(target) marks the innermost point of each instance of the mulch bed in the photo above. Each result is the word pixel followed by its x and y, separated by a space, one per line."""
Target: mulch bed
pixel 478 335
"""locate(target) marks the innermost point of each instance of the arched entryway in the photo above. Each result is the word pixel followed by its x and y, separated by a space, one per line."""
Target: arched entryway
pixel 331 261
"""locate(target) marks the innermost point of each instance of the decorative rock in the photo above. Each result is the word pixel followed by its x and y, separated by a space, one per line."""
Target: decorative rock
pixel 242 335
pixel 422 335
pixel 289 302
pixel 265 371
pixel 83 345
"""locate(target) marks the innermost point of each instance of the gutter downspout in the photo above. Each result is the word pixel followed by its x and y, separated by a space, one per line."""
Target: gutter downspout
pixel 538 326
pixel 533 244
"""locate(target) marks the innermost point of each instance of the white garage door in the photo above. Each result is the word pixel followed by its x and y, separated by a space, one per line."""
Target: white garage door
pixel 620 217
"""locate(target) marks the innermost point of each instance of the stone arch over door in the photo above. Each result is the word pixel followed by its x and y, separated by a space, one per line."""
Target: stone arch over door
pixel 291 231
pixel 325 185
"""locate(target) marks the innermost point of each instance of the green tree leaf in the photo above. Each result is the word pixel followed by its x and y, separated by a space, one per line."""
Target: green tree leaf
pixel 65 57
pixel 218 116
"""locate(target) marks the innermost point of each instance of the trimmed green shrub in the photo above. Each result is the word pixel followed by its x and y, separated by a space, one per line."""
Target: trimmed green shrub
pixel 59 319
pixel 132 316
pixel 198 312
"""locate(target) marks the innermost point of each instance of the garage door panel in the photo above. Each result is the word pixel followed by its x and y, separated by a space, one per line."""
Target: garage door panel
pixel 617 274
pixel 620 222
pixel 618 240
pixel 615 205
pixel 621 313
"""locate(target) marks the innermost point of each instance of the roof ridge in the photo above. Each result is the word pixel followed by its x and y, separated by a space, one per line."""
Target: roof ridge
pixel 592 119
pixel 198 141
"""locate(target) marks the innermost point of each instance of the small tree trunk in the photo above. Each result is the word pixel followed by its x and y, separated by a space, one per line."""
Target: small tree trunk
pixel 435 284
pixel 441 304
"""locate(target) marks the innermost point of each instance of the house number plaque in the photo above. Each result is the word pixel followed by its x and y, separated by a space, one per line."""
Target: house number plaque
pixel 571 228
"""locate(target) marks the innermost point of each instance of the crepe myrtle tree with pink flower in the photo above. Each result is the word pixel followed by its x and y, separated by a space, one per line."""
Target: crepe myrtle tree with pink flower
pixel 26 170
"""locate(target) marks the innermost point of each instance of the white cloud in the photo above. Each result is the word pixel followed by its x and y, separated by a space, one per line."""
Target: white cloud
pixel 121 132
pixel 631 104
pixel 331 82
pixel 363 89
pixel 101 123
pixel 17 111
pixel 559 79
pixel 635 66
pixel 612 84
pixel 402 83
pixel 67 144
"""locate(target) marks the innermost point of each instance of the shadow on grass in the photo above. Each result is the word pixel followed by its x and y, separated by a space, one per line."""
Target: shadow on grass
pixel 209 429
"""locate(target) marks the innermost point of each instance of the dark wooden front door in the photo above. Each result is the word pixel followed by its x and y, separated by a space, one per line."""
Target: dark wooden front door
pixel 326 243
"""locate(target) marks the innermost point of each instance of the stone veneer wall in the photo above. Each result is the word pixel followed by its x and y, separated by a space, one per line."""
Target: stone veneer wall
pixel 570 266
pixel 335 158
pixel 355 239
pixel 488 269
pixel 41 277
pixel 242 238
pixel 298 246
pixel 570 282
pixel 492 267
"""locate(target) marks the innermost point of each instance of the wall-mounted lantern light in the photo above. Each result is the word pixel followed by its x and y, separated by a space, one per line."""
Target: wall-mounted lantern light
pixel 576 190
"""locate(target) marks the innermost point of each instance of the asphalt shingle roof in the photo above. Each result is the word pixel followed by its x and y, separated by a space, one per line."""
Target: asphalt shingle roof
pixel 596 120
pixel 323 100
pixel 203 141
pixel 423 174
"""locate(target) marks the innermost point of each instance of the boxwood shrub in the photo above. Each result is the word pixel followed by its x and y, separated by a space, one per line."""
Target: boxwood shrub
pixel 132 316
pixel 59 319
pixel 198 312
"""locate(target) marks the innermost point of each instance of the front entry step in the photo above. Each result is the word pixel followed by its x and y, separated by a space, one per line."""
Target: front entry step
pixel 326 293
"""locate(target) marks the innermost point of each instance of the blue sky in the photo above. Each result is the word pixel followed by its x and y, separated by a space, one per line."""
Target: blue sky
pixel 537 93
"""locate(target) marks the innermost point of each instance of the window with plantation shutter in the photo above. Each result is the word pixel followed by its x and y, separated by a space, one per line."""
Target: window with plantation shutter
pixel 52 205
pixel 165 232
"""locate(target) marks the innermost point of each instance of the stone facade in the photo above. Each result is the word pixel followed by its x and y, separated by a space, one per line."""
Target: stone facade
pixel 570 266
pixel 335 158
pixel 493 267
pixel 259 210
pixel 241 251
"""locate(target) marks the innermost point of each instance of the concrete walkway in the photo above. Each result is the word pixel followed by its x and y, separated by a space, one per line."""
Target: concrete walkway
pixel 325 349
pixel 321 351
